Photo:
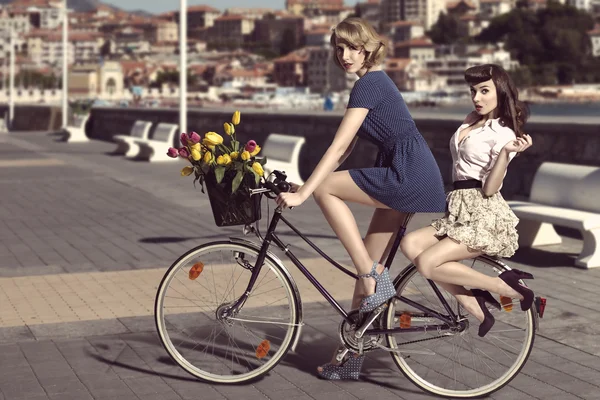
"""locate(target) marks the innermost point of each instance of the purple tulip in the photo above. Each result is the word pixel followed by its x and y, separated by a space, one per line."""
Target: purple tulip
pixel 194 138
pixel 183 152
pixel 250 146
pixel 184 139
pixel 173 152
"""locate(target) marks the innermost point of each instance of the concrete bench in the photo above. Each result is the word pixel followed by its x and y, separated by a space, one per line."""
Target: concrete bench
pixel 564 195
pixel 155 149
pixel 283 154
pixel 76 131
pixel 126 144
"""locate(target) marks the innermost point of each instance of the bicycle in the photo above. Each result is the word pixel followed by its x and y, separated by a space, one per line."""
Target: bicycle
pixel 423 327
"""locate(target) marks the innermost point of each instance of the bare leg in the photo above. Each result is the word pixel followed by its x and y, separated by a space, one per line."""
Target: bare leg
pixel 437 263
pixel 415 243
pixel 331 196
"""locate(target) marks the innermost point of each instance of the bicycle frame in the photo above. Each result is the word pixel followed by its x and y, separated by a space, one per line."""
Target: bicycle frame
pixel 449 320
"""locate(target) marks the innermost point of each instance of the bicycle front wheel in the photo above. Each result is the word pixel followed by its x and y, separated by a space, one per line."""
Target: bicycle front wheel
pixel 457 362
pixel 202 337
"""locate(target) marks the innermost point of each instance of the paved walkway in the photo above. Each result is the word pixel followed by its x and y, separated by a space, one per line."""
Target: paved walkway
pixel 86 236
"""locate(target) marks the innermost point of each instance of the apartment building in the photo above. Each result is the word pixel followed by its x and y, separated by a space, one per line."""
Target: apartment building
pixel 301 7
pixel 272 27
pixel 231 31
pixel 323 75
pixel 45 47
pixel 291 69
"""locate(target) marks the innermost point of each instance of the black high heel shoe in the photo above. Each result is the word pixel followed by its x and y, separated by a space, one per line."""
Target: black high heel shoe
pixel 511 278
pixel 482 297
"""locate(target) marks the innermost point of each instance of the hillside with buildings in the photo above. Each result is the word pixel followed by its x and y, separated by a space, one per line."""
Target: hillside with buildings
pixel 253 55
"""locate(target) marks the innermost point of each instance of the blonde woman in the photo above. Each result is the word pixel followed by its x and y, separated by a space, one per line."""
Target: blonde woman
pixel 404 179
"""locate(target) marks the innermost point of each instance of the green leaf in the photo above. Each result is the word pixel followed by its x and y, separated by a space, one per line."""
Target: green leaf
pixel 236 181
pixel 235 144
pixel 219 173
pixel 256 177
pixel 262 160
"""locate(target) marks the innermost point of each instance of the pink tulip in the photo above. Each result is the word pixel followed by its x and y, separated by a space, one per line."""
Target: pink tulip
pixel 195 138
pixel 183 152
pixel 172 152
pixel 250 146
pixel 184 139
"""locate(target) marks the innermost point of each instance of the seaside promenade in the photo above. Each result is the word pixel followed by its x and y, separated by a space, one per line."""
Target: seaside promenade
pixel 85 238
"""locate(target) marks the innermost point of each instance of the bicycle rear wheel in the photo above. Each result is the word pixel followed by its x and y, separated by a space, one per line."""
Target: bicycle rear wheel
pixel 193 325
pixel 458 363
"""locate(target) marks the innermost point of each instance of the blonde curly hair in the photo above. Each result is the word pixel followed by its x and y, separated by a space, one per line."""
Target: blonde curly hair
pixel 360 34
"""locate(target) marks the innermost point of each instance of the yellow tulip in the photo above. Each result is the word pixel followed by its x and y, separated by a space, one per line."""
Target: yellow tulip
pixel 187 171
pixel 258 168
pixel 220 160
pixel 212 139
pixel 208 157
pixel 227 159
pixel 229 129
pixel 255 151
pixel 195 146
pixel 234 155
pixel 196 154
pixel 236 118
pixel 246 155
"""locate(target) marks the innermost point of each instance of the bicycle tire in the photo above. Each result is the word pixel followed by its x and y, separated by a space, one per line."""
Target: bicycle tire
pixel 401 283
pixel 270 265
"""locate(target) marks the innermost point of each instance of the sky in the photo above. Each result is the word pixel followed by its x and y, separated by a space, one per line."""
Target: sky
pixel 170 5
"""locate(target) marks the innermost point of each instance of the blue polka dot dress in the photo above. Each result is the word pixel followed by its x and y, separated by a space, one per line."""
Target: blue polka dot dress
pixel 405 177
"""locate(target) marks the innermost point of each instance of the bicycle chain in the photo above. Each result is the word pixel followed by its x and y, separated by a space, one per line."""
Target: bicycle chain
pixel 420 340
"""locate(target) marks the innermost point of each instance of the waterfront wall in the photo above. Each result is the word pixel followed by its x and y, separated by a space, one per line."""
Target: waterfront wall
pixel 558 139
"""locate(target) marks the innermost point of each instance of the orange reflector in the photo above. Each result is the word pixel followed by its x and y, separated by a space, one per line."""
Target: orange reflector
pixel 540 303
pixel 196 270
pixel 405 320
pixel 263 349
pixel 507 303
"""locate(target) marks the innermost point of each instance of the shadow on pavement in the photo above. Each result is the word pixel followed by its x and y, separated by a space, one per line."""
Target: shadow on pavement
pixel 302 360
pixel 544 259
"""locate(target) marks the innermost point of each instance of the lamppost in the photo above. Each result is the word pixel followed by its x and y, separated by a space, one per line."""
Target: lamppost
pixel 11 80
pixel 182 65
pixel 65 88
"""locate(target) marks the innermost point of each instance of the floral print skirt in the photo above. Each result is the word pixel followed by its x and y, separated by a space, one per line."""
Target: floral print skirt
pixel 485 224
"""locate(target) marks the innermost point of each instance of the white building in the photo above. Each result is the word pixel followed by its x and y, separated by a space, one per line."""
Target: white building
pixel 595 39
pixel 585 5
pixel 426 12
pixel 45 47
pixel 453 66
pixel 489 9
pixel 18 21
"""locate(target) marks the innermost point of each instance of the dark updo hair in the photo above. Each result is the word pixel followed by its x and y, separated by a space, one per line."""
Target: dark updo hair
pixel 511 112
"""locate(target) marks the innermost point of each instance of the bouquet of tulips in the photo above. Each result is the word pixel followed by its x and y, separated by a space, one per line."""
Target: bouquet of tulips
pixel 212 155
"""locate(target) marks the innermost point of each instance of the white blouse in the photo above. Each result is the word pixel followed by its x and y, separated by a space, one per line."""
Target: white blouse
pixel 475 155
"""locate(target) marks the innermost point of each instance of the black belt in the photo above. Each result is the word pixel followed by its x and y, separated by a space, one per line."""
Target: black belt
pixel 467 184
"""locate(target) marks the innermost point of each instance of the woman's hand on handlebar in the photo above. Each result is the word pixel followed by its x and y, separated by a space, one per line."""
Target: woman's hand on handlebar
pixel 289 200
